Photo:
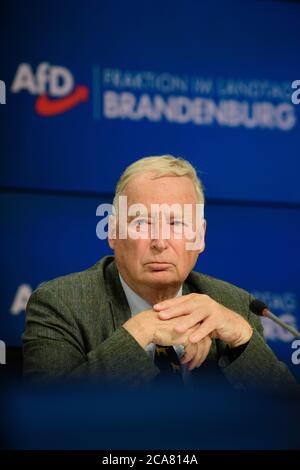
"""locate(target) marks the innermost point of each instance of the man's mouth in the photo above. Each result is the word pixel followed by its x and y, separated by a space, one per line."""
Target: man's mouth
pixel 158 265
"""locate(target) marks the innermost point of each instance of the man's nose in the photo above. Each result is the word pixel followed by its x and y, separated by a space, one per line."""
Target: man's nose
pixel 159 236
pixel 159 243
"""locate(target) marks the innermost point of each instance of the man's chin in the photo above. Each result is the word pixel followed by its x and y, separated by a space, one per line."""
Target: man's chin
pixel 163 276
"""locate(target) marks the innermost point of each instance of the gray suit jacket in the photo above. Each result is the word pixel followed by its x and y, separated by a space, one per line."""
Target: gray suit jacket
pixel 74 329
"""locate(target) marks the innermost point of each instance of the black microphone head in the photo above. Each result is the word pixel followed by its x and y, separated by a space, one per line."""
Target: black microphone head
pixel 258 307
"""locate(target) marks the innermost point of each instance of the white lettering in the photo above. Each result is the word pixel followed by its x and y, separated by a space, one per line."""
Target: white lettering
pixel 58 80
pixel 2 353
pixel 100 228
pixel 272 331
pixel 296 94
pixel 119 460
pixel 21 298
pixel 200 111
pixel 24 80
pixel 296 354
pixel 61 81
pixel 2 92
pixel 42 78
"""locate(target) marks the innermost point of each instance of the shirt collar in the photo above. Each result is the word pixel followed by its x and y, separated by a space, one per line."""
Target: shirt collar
pixel 136 303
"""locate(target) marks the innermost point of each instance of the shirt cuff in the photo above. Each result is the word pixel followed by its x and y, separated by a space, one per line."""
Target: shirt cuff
pixel 233 353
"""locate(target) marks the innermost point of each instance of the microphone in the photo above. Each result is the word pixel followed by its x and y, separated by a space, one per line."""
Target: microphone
pixel 260 308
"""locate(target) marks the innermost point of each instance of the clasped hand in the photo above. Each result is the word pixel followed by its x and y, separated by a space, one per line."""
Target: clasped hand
pixel 199 318
pixel 192 321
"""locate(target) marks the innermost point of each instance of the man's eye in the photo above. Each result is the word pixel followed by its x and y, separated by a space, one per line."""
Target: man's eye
pixel 177 222
pixel 140 222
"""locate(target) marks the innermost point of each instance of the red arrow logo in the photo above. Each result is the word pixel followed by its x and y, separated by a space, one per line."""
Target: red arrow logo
pixel 47 107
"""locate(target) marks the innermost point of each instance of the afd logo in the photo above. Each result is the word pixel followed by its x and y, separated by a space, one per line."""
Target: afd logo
pixel 53 85
pixel 2 353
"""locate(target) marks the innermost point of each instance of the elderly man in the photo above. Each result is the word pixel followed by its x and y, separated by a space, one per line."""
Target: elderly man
pixel 127 318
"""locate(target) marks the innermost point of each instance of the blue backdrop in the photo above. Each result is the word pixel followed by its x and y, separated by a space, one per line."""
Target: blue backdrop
pixel 91 88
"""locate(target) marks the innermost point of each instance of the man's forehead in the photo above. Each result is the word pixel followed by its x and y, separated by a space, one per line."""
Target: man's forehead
pixel 148 188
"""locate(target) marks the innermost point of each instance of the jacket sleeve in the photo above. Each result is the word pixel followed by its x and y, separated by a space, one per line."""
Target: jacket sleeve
pixel 257 367
pixel 53 348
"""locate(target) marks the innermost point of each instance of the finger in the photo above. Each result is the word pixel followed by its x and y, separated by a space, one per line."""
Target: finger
pixel 169 303
pixel 194 362
pixel 189 321
pixel 184 338
pixel 186 358
pixel 203 330
pixel 205 351
pixel 165 304
pixel 188 354
pixel 183 308
pixel 202 352
pixel 196 350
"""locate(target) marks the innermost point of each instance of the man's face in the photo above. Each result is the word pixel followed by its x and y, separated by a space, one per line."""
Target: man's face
pixel 163 260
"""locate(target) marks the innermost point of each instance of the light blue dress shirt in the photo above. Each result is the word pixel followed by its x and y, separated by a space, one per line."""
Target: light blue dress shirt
pixel 137 305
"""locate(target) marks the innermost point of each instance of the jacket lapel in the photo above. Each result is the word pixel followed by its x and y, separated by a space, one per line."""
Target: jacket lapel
pixel 116 296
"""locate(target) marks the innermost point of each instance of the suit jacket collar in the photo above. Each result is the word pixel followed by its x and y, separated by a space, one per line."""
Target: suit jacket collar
pixel 115 294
